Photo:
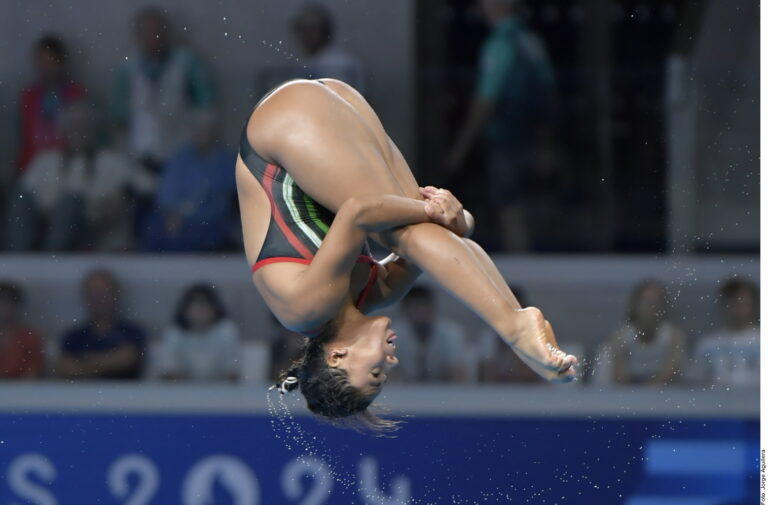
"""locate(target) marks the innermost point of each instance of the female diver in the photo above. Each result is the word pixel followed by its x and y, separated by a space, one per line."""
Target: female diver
pixel 317 175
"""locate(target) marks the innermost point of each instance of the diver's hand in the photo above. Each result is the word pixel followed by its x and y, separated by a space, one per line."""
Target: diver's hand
pixel 445 209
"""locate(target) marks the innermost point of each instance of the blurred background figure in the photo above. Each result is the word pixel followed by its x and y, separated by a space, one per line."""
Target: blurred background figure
pixel 108 345
pixel 284 350
pixel 430 347
pixel 730 356
pixel 195 208
pixel 155 91
pixel 649 348
pixel 497 362
pixel 21 348
pixel 75 194
pixel 313 26
pixel 42 101
pixel 202 344
pixel 509 115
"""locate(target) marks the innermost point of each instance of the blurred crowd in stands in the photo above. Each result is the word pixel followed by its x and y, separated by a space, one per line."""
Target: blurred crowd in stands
pixel 201 343
pixel 145 171
pixel 512 113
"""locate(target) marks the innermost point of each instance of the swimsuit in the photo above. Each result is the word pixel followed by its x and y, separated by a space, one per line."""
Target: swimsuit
pixel 298 224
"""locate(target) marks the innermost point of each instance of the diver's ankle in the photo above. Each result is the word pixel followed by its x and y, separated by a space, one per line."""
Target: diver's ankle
pixel 512 329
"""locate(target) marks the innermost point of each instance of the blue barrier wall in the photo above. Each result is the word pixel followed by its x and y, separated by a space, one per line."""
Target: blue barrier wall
pixel 223 459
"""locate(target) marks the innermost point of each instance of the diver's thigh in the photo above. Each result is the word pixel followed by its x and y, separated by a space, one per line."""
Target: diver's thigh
pixel 327 147
pixel 395 160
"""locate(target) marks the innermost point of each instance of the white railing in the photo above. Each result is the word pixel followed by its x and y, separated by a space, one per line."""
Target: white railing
pixel 561 401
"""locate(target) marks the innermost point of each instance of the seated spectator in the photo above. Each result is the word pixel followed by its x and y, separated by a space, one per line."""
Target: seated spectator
pixel 429 347
pixel 203 344
pixel 498 362
pixel 284 350
pixel 649 348
pixel 75 195
pixel 730 356
pixel 314 30
pixel 21 348
pixel 156 89
pixel 42 101
pixel 107 346
pixel 195 201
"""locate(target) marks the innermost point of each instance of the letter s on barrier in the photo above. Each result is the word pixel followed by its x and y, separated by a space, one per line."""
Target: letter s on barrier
pixel 19 472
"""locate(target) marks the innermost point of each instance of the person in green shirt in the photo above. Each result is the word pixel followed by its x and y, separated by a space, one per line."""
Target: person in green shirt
pixel 510 113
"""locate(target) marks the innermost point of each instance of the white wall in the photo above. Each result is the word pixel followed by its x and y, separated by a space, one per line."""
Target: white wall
pixel 537 401
pixel 380 34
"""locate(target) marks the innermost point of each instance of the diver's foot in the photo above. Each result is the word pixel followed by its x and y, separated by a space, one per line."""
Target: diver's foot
pixel 535 344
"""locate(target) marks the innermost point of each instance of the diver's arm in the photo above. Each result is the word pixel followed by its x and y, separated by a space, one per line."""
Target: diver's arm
pixel 398 277
pixel 399 273
pixel 319 291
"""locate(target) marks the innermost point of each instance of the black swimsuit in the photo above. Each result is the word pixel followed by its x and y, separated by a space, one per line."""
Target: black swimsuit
pixel 297 224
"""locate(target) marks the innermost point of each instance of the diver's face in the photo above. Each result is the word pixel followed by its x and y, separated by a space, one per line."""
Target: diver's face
pixel 370 356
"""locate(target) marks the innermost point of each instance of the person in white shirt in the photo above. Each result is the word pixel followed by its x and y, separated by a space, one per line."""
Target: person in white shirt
pixel 314 30
pixel 203 344
pixel 76 193
pixel 430 347
pixel 730 356
pixel 648 348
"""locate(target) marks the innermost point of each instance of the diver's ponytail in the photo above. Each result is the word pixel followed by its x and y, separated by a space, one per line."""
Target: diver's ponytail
pixel 289 379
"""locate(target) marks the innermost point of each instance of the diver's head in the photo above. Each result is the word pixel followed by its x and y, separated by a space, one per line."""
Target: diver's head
pixel 365 349
pixel 343 369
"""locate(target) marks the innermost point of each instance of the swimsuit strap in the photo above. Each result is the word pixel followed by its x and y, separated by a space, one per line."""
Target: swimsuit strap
pixel 372 276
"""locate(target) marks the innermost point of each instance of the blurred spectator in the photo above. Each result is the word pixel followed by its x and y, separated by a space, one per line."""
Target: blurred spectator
pixel 75 194
pixel 21 348
pixel 42 101
pixel 203 344
pixel 429 347
pixel 314 28
pixel 156 90
pixel 497 361
pixel 730 356
pixel 108 345
pixel 512 102
pixel 649 349
pixel 195 200
pixel 284 350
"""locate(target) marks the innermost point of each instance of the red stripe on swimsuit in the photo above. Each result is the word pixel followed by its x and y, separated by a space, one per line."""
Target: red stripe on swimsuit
pixel 267 181
pixel 361 298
